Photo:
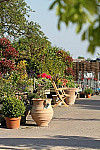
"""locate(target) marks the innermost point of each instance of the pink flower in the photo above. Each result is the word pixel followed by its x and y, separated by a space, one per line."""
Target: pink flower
pixel 43 75
pixel 48 77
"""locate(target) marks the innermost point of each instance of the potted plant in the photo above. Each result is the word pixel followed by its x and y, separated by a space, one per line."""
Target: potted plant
pixel 88 92
pixel 42 111
pixel 13 109
pixel 82 95
pixel 71 89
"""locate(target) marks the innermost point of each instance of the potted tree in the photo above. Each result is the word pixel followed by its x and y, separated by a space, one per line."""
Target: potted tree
pixel 88 92
pixel 12 110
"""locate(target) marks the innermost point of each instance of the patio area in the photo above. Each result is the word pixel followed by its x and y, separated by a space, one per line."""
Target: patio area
pixel 76 127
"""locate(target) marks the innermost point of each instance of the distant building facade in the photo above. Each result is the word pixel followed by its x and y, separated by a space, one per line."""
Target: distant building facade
pixel 87 72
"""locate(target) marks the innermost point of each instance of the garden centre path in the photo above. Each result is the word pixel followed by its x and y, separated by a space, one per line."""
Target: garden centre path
pixel 74 128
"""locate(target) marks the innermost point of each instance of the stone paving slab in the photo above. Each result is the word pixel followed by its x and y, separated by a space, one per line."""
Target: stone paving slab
pixel 76 127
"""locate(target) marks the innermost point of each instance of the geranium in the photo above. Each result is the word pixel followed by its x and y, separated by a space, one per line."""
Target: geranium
pixel 42 82
pixel 48 77
pixel 43 75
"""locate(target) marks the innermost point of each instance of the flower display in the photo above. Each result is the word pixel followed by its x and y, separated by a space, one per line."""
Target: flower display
pixel 7 53
pixel 10 52
pixel 64 81
pixel 42 83
pixel 6 65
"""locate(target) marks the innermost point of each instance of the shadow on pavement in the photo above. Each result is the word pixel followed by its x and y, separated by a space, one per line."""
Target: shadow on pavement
pixel 74 119
pixel 39 143
pixel 88 104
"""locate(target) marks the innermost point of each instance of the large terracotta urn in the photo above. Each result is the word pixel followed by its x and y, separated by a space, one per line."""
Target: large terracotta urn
pixel 73 93
pixel 42 111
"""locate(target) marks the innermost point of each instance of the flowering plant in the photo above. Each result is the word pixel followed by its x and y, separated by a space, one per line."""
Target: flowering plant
pixel 69 82
pixel 7 54
pixel 42 82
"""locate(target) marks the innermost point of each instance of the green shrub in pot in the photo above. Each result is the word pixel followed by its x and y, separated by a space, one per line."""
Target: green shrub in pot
pixel 13 107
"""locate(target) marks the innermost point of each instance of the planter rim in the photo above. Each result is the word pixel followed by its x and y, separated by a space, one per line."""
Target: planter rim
pixel 39 99
pixel 12 118
pixel 71 89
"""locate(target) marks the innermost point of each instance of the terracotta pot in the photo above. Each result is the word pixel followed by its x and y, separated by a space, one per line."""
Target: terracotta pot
pixel 13 123
pixel 73 93
pixel 88 96
pixel 42 111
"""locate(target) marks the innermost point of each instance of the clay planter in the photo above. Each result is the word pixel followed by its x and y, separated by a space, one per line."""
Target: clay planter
pixel 42 111
pixel 13 123
pixel 73 93
pixel 88 96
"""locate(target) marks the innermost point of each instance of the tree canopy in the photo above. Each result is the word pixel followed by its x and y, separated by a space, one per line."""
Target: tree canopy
pixel 31 42
pixel 81 12
pixel 13 17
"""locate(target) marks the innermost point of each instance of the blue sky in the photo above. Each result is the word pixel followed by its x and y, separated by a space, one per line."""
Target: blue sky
pixel 66 37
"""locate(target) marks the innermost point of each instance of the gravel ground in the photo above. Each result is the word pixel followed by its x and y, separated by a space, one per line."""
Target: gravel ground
pixel 76 127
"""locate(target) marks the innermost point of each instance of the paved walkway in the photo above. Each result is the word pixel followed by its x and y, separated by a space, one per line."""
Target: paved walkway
pixel 74 128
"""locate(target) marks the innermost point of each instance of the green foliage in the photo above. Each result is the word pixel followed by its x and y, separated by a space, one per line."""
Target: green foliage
pixel 98 55
pixel 70 83
pixel 54 63
pixel 13 17
pixel 88 91
pixel 13 107
pixel 81 12
pixel 32 95
pixel 33 47
pixel 29 40
pixel 80 57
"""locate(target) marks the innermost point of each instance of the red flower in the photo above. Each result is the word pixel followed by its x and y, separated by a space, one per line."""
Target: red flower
pixel 10 52
pixel 48 77
pixel 89 78
pixel 43 75
pixel 95 79
pixel 4 42
pixel 82 78
pixel 39 76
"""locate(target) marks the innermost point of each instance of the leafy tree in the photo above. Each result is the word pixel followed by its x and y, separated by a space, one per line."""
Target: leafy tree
pixel 80 57
pixel 13 17
pixel 88 59
pixel 32 46
pixel 81 12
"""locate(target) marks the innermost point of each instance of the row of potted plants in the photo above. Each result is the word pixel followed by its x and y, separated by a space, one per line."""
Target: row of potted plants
pixel 14 107
pixel 87 93
pixel 14 79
